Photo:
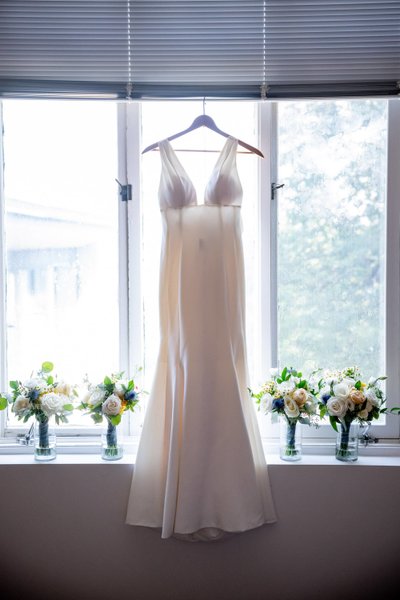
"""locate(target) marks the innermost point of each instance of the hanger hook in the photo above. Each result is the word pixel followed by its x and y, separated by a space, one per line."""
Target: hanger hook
pixel 204 105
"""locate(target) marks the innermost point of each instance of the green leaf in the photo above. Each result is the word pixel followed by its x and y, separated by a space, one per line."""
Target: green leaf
pixel 14 385
pixel 302 384
pixel 57 419
pixel 115 420
pixel 97 418
pixel 107 381
pixel 68 407
pixel 333 421
pixel 47 367
pixel 358 385
pixel 284 373
pixel 304 420
pixel 323 411
pixel 3 403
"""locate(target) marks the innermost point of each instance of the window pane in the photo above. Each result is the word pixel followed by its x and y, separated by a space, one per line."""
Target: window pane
pixel 61 237
pixel 331 234
pixel 159 120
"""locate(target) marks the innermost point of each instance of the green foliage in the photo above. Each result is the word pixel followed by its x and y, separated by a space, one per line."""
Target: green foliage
pixel 330 251
pixel 14 385
pixel 97 418
pixel 334 422
pixel 3 403
pixel 322 412
pixel 115 420
pixel 47 367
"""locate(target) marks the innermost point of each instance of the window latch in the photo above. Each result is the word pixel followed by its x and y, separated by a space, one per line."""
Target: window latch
pixel 274 187
pixel 125 191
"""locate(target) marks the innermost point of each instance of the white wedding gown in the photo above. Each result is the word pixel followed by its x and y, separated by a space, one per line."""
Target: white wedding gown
pixel 200 470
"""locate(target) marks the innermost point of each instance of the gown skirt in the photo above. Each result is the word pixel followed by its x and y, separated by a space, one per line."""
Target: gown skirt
pixel 200 470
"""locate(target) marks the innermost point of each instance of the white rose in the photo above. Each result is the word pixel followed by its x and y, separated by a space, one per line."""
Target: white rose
pixel 20 404
pixel 266 403
pixel 286 387
pixel 34 383
pixel 337 407
pixel 96 397
pixel 112 406
pixel 342 390
pixel 52 404
pixel 371 396
pixel 291 408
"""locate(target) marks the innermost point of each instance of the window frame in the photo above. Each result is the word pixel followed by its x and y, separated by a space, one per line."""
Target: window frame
pixel 269 224
pixel 130 246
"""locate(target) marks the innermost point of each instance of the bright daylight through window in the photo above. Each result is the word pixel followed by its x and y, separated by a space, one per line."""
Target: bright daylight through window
pixel 331 234
pixel 62 232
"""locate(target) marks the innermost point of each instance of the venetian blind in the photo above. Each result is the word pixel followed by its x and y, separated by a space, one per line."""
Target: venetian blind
pixel 332 47
pixel 192 48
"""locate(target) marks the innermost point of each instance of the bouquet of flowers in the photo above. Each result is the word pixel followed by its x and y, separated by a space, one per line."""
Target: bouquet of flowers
pixel 291 396
pixel 109 400
pixel 41 396
pixel 344 397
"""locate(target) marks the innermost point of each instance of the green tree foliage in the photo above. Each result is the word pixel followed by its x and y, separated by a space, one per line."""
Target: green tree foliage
pixel 331 250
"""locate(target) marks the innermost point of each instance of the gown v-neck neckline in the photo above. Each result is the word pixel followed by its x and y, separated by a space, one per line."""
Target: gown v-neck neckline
pixel 182 172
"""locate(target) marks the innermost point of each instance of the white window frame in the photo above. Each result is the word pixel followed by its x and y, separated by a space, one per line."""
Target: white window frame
pixel 268 120
pixel 130 241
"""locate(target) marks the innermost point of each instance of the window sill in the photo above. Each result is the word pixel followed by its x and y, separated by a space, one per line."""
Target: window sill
pixel 384 453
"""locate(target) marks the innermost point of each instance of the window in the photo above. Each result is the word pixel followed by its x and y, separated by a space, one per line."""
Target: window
pixel 82 266
pixel 331 234
pixel 61 238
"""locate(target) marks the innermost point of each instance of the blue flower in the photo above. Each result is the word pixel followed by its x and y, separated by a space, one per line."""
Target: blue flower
pixel 278 403
pixel 130 395
pixel 34 395
pixel 325 398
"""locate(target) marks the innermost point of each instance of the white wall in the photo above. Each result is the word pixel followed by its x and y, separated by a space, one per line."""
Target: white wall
pixel 63 536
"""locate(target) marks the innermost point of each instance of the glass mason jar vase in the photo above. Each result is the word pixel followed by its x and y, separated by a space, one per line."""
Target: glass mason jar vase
pixel 290 439
pixel 44 441
pixel 111 448
pixel 347 441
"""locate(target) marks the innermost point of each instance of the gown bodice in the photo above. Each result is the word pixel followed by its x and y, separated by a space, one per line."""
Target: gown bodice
pixel 176 189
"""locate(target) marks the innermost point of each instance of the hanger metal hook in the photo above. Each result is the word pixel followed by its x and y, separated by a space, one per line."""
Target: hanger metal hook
pixel 204 105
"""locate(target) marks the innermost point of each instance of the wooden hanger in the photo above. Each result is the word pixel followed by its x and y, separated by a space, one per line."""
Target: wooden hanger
pixel 205 121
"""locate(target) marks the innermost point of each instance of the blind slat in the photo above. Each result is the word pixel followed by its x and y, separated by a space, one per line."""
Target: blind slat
pixel 182 48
